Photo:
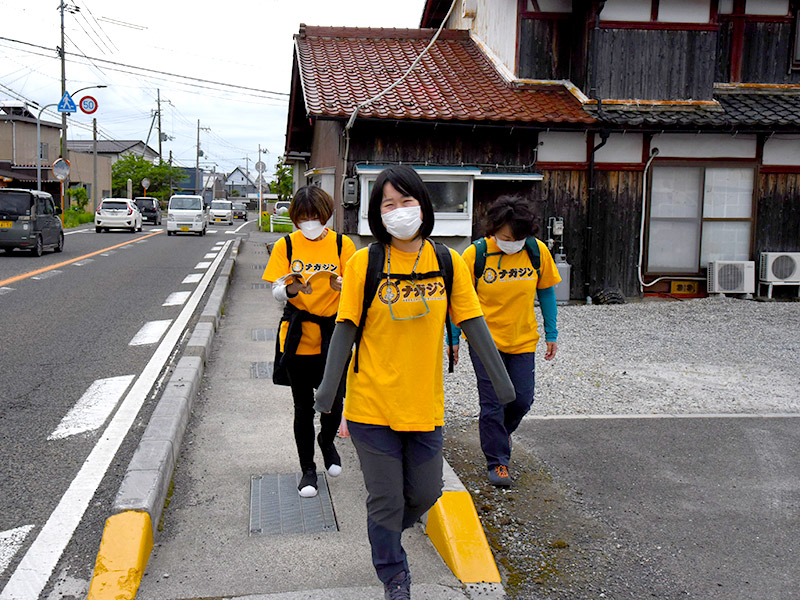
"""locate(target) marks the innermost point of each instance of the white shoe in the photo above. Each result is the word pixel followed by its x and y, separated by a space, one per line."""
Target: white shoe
pixel 335 470
pixel 308 492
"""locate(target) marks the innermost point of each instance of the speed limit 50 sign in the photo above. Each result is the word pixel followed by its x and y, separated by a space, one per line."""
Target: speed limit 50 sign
pixel 88 104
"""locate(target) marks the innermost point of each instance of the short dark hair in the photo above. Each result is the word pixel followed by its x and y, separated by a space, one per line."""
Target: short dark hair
pixel 408 182
pixel 309 203
pixel 514 211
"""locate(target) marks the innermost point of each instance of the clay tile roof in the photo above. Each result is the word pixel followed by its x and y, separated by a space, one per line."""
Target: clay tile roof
pixel 340 67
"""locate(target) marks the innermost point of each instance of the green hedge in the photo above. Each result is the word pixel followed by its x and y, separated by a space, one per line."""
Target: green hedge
pixel 73 218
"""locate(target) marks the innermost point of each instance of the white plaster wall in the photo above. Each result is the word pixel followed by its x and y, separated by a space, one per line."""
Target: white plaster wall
pixel 625 10
pixel 782 150
pixel 767 7
pixel 676 145
pixel 684 11
pixel 620 148
pixel 495 23
pixel 560 146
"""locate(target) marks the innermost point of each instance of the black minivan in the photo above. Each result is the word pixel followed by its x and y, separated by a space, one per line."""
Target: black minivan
pixel 150 209
pixel 29 220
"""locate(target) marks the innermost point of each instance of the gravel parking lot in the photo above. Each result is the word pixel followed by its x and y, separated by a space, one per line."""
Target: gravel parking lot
pixel 713 355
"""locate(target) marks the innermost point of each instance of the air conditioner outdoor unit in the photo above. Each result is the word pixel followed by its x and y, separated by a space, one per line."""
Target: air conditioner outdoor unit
pixel 780 267
pixel 731 277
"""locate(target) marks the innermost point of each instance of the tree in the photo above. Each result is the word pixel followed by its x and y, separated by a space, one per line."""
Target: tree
pixel 79 197
pixel 137 168
pixel 282 184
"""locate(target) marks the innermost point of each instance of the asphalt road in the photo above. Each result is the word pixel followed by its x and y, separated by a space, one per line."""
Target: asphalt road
pixel 711 504
pixel 63 333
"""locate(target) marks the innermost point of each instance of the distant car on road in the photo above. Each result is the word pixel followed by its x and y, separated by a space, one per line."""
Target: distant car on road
pixel 221 212
pixel 150 209
pixel 29 220
pixel 240 210
pixel 117 213
pixel 186 213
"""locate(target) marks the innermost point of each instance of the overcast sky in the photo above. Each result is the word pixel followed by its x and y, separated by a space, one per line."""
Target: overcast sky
pixel 245 43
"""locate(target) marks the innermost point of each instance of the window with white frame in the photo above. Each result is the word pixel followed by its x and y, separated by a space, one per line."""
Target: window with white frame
pixel 450 190
pixel 697 215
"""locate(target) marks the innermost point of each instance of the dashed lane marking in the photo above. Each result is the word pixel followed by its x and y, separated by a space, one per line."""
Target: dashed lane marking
pixel 93 408
pixel 150 333
pixel 10 542
pixel 202 265
pixel 192 278
pixel 177 298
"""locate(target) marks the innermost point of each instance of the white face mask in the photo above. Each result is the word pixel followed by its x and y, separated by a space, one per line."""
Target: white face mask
pixel 510 247
pixel 403 223
pixel 311 229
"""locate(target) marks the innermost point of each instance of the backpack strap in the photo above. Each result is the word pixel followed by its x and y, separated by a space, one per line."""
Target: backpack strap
pixel 339 244
pixel 532 247
pixel 445 260
pixel 288 241
pixel 375 262
pixel 480 257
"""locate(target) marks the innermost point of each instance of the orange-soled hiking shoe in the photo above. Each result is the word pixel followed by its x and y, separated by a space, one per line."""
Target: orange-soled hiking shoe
pixel 499 477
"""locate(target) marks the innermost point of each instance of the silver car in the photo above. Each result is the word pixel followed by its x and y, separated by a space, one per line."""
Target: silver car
pixel 117 213
pixel 29 220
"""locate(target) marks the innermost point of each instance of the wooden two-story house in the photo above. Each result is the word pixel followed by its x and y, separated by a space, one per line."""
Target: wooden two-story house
pixel 665 133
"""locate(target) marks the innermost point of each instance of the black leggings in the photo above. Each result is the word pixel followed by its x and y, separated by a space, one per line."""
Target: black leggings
pixel 305 375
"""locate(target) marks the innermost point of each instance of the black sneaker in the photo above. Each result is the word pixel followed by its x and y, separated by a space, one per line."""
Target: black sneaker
pixel 307 488
pixel 398 587
pixel 333 463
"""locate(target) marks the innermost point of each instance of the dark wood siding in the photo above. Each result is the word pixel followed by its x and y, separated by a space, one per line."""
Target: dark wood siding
pixel 767 52
pixel 655 64
pixel 778 213
pixel 551 49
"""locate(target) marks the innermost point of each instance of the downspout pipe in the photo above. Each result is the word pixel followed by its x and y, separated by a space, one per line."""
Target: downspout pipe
pixel 590 216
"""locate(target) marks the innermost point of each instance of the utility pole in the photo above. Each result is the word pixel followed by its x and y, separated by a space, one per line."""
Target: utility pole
pixel 63 53
pixel 158 99
pixel 260 180
pixel 94 164
pixel 197 164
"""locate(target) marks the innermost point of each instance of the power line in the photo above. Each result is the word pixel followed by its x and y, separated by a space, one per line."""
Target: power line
pixel 110 62
pixel 100 27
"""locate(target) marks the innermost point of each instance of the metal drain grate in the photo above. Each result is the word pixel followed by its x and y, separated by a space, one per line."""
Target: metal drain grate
pixel 276 508
pixel 263 335
pixel 261 370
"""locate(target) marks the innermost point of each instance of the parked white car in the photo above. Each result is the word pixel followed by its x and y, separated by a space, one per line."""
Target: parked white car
pixel 186 213
pixel 221 212
pixel 117 213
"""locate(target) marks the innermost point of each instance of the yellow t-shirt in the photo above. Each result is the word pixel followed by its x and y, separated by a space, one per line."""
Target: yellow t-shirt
pixel 507 290
pixel 399 379
pixel 308 257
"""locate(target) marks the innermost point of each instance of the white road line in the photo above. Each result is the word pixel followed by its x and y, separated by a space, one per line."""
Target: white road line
pixel 36 567
pixel 46 275
pixel 663 416
pixel 77 231
pixel 177 298
pixel 211 231
pixel 150 333
pixel 192 278
pixel 5 290
pixel 80 263
pixel 245 224
pixel 10 542
pixel 210 255
pixel 202 265
pixel 93 408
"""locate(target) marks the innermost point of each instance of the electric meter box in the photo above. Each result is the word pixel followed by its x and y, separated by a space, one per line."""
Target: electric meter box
pixel 562 287
pixel 350 192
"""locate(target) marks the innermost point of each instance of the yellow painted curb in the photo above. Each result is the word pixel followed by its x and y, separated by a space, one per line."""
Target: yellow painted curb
pixel 124 551
pixel 456 532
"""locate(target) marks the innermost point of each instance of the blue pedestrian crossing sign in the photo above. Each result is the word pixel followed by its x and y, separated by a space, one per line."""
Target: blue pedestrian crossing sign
pixel 67 105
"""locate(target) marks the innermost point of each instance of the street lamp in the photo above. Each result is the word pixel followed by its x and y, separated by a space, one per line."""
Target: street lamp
pixel 39 136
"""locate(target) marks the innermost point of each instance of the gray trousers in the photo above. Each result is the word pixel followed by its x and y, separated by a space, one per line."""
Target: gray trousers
pixel 403 476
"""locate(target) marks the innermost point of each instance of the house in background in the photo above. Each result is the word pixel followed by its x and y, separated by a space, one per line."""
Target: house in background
pixel 114 149
pixel 18 155
pixel 240 182
pixel 665 134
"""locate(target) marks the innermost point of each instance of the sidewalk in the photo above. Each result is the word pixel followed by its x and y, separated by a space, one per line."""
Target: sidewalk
pixel 240 427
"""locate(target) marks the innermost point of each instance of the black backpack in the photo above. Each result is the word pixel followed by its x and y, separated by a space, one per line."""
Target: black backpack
pixel 531 247
pixel 375 274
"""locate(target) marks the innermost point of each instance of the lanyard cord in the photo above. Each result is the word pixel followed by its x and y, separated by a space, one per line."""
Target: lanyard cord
pixel 389 264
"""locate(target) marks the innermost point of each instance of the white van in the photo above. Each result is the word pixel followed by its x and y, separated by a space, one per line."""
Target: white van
pixel 221 211
pixel 186 213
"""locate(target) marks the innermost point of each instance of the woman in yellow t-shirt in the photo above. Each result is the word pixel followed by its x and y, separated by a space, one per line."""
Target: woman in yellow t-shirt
pixel 507 287
pixel 395 398
pixel 308 322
